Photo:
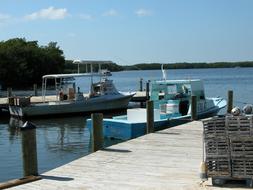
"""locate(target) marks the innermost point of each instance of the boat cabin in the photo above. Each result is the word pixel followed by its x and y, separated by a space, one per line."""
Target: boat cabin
pixel 65 85
pixel 174 96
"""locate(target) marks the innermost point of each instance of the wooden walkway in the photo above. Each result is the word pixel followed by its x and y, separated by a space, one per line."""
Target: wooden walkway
pixel 167 159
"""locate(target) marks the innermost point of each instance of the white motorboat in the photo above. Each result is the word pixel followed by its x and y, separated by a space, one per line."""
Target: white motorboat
pixel 102 96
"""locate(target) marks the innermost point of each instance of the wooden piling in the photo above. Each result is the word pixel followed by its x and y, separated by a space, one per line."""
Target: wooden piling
pixel 35 89
pixel 97 131
pixel 141 84
pixel 147 90
pixel 29 151
pixel 230 101
pixel 150 116
pixel 194 108
pixel 9 92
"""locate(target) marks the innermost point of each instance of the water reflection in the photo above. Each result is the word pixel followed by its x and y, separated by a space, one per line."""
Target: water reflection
pixel 59 141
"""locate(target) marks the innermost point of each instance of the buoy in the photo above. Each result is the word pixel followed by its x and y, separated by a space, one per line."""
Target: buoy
pixel 236 111
pixel 247 109
pixel 27 125
pixel 203 171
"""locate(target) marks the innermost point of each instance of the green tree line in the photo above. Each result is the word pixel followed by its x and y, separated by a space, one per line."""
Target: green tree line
pixel 23 63
pixel 184 65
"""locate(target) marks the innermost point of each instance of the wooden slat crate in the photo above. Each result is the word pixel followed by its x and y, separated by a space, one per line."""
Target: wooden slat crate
pixel 218 147
pixel 214 127
pixel 242 167
pixel 239 125
pixel 241 146
pixel 229 146
pixel 218 166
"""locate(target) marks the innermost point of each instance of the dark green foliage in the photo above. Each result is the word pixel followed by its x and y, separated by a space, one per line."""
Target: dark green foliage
pixel 156 66
pixel 23 63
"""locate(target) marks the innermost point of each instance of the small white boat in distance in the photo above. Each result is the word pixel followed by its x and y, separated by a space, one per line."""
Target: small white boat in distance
pixel 102 96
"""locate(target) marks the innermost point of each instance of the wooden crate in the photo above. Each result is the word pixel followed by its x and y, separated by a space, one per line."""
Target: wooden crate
pixel 239 125
pixel 218 147
pixel 22 101
pixel 218 166
pixel 241 146
pixel 242 167
pixel 214 127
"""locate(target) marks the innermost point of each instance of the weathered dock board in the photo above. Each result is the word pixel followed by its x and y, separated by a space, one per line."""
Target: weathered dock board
pixel 167 159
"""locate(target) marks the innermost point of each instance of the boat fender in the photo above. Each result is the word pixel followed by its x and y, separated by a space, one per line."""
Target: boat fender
pixel 247 109
pixel 236 111
pixel 28 125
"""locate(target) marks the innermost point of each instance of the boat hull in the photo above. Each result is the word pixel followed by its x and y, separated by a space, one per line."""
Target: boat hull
pixel 125 130
pixel 71 107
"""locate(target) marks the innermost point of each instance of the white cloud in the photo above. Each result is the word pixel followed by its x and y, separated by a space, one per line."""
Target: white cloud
pixel 4 17
pixel 50 13
pixel 111 12
pixel 86 16
pixel 143 12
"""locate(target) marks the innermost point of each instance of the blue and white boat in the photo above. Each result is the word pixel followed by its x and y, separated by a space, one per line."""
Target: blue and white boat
pixel 172 106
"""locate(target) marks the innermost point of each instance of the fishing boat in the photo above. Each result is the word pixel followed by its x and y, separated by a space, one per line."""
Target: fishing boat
pixel 172 106
pixel 102 96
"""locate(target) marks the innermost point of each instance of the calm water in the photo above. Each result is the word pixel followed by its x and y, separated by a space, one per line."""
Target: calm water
pixel 61 140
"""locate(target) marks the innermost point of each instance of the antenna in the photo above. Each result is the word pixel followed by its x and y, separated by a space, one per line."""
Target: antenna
pixel 164 73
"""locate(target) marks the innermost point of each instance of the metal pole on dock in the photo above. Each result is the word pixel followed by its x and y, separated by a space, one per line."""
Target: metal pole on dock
pixel 141 84
pixel 29 150
pixel 150 116
pixel 147 90
pixel 9 92
pixel 97 131
pixel 194 108
pixel 230 101
pixel 35 89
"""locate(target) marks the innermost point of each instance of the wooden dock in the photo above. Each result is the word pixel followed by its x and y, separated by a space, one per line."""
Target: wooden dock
pixel 167 159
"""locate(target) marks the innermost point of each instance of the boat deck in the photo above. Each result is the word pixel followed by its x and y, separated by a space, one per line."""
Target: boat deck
pixel 167 159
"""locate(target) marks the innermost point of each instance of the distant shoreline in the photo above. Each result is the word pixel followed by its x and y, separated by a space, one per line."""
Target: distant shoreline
pixel 157 66
pixel 70 68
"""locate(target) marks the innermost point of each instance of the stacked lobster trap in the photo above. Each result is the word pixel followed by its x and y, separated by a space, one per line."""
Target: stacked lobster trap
pixel 228 145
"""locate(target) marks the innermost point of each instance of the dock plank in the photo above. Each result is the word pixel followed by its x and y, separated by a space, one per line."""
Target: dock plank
pixel 167 159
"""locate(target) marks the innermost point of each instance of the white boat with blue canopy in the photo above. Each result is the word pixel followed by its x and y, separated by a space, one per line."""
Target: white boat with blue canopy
pixel 172 106
pixel 101 96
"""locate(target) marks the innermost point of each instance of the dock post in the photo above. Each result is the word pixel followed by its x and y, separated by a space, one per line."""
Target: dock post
pixel 194 108
pixel 9 92
pixel 150 116
pixel 147 90
pixel 141 84
pixel 35 89
pixel 97 131
pixel 230 101
pixel 141 89
pixel 29 150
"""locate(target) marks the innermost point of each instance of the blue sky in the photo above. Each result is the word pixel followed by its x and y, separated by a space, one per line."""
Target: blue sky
pixel 135 31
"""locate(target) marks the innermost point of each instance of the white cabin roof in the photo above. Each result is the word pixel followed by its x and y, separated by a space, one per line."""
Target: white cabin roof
pixel 91 62
pixel 52 76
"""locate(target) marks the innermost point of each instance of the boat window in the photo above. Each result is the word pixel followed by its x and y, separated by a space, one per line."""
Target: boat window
pixel 171 89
